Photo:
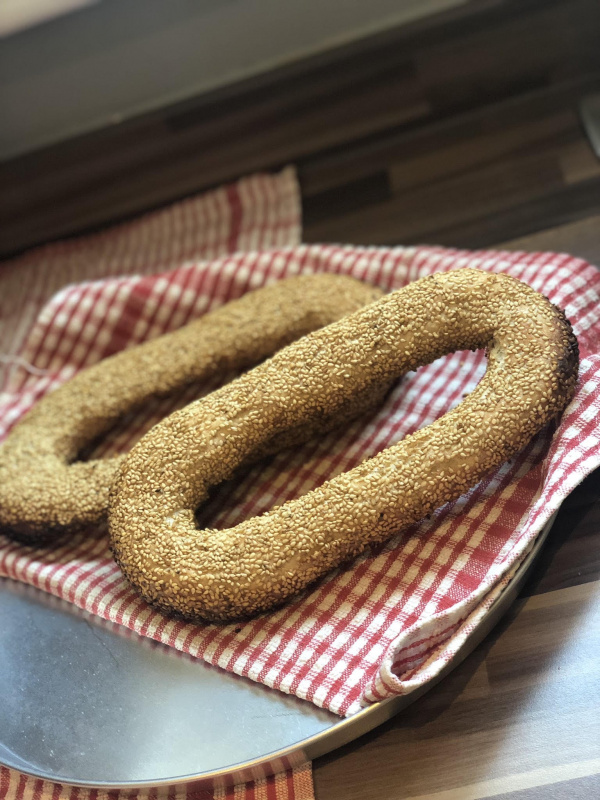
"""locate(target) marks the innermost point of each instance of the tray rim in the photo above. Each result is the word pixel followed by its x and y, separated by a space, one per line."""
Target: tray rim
pixel 341 732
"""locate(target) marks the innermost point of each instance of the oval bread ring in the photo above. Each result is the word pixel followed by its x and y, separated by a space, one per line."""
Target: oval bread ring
pixel 44 492
pixel 229 574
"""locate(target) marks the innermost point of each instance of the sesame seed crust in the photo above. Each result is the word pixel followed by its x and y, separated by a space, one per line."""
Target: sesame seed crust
pixel 46 492
pixel 221 575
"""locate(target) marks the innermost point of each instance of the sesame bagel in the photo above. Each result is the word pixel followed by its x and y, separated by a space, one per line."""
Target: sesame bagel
pixel 45 491
pixel 227 574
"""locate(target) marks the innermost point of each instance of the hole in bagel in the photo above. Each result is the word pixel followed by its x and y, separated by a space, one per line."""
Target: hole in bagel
pixel 412 403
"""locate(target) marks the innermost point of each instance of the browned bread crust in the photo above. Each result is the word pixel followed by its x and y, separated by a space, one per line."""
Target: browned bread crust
pixel 45 491
pixel 227 574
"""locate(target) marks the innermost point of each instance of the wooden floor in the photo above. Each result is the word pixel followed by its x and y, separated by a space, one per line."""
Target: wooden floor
pixel 520 718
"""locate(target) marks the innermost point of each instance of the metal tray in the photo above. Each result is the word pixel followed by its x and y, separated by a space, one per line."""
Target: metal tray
pixel 89 703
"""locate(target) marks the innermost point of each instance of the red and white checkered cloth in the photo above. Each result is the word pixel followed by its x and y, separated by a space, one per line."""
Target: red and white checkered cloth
pixel 256 213
pixel 293 784
pixel 394 617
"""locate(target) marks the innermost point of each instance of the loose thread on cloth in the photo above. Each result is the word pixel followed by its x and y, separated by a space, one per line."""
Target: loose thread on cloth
pixel 17 361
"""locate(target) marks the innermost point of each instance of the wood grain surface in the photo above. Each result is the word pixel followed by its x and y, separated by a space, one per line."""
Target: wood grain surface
pixel 461 128
pixel 519 719
pixel 489 174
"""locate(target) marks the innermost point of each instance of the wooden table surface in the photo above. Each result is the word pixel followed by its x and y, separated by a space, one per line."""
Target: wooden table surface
pixel 519 719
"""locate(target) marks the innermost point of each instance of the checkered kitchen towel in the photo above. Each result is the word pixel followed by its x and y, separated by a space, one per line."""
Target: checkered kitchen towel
pixel 392 619
pixel 257 213
pixel 293 784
